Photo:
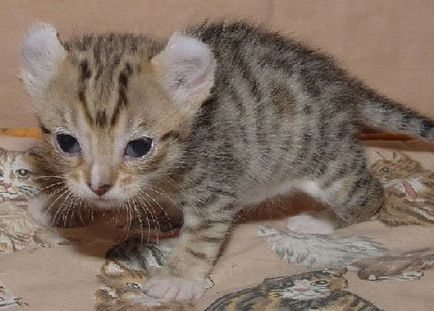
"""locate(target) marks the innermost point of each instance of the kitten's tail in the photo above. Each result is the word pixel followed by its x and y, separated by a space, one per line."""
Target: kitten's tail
pixel 382 112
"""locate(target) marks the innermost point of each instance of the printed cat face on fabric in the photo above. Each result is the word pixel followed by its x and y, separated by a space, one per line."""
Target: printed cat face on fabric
pixel 399 167
pixel 124 274
pixel 409 196
pixel 306 286
pixel 17 176
pixel 314 290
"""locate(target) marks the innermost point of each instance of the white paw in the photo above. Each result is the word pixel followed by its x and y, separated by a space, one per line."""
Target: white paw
pixel 37 210
pixel 173 288
pixel 323 222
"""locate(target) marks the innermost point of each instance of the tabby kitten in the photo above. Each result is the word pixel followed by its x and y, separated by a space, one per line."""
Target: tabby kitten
pixel 217 117
pixel 409 191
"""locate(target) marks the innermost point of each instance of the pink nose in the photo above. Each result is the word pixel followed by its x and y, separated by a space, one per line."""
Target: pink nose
pixel 100 189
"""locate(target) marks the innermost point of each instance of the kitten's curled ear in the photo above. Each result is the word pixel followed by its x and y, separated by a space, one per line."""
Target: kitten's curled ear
pixel 186 68
pixel 41 51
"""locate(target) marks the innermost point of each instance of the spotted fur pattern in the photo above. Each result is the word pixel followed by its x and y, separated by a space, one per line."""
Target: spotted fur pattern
pixel 237 114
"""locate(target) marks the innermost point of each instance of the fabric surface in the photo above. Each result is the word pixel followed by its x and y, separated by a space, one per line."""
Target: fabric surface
pixel 58 275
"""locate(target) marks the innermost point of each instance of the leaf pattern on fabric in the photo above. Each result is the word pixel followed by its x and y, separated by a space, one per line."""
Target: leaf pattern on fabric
pixel 319 251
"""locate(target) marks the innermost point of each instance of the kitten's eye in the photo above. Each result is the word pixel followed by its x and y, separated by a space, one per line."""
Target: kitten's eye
pixel 384 169
pixel 22 173
pixel 321 282
pixel 139 147
pixel 68 143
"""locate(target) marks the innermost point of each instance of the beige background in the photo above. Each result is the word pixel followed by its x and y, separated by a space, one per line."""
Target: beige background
pixel 388 43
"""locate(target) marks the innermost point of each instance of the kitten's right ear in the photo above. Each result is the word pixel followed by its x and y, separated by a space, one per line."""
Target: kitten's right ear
pixel 186 67
pixel 41 51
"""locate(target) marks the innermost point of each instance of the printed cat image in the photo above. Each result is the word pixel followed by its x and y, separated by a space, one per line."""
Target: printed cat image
pixel 409 191
pixel 217 117
pixel 125 272
pixel 20 180
pixel 396 267
pixel 17 176
pixel 316 290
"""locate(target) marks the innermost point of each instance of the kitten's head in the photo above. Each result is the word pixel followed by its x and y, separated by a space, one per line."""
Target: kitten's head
pixel 114 108
pixel 306 286
pixel 399 167
pixel 18 175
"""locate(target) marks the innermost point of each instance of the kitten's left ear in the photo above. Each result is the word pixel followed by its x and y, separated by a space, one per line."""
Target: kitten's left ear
pixel 186 67
pixel 41 51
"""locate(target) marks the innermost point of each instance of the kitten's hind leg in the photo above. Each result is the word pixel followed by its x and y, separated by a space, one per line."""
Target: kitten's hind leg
pixel 354 197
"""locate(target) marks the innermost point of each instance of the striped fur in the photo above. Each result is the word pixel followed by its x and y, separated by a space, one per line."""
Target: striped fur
pixel 280 116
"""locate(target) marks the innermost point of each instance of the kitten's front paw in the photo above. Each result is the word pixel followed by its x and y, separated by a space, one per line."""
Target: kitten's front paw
pixel 172 288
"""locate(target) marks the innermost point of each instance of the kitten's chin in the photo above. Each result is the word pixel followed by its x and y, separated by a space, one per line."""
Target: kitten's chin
pixel 105 204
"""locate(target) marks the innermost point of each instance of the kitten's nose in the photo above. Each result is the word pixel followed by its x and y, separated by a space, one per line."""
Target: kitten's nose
pixel 101 179
pixel 100 189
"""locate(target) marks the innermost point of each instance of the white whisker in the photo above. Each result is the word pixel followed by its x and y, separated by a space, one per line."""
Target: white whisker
pixel 59 210
pixel 145 208
pixel 161 208
pixel 47 176
pixel 52 185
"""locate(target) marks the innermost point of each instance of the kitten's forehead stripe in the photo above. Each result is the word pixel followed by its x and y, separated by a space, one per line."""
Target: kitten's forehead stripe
pixel 84 105
pixel 123 85
pixel 115 116
pixel 106 64
pixel 85 72
pixel 170 135
pixel 101 119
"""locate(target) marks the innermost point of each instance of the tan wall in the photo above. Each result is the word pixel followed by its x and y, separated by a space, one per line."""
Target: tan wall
pixel 389 43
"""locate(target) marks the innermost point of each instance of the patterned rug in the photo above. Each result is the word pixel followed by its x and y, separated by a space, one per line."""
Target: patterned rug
pixel 327 259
